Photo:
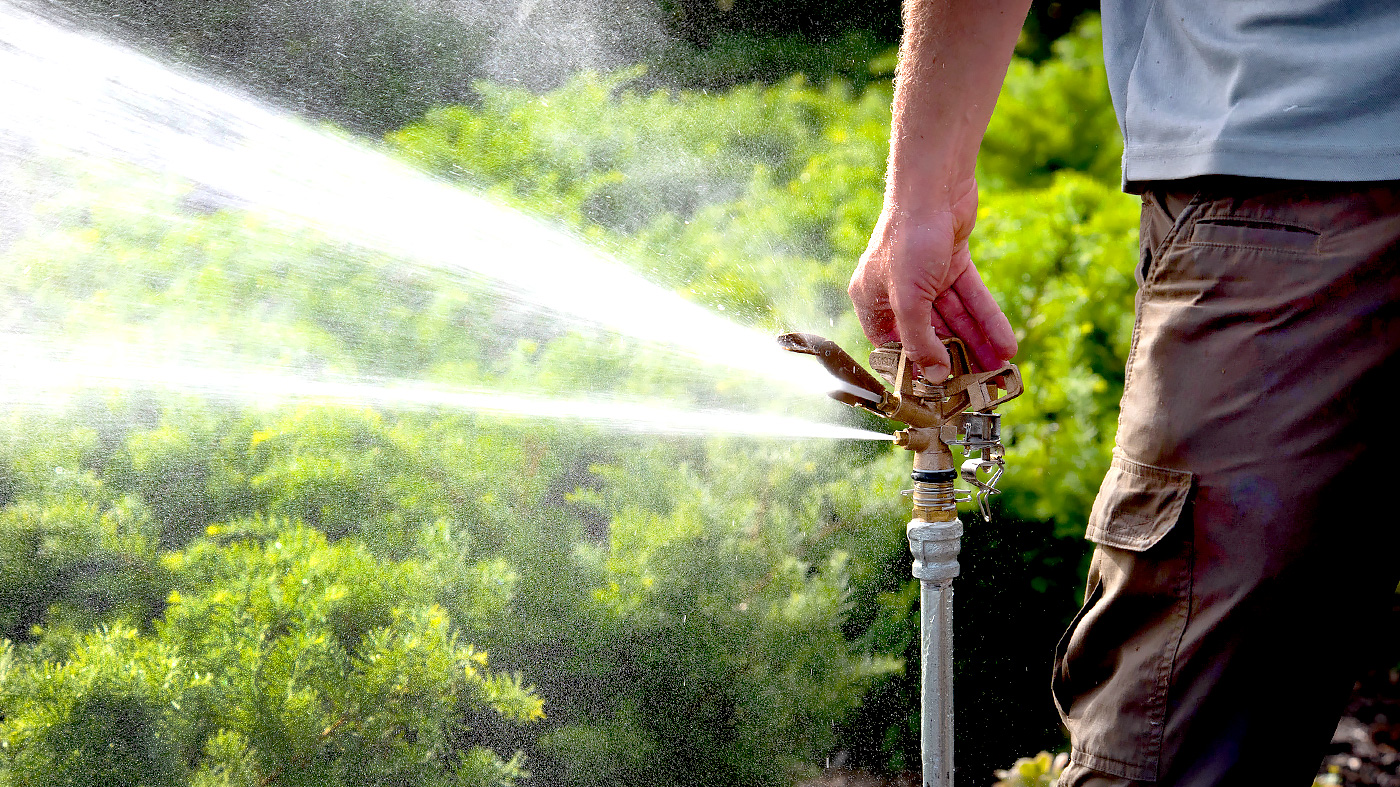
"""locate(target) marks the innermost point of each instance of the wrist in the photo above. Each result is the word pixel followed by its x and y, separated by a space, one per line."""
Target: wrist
pixel 925 174
pixel 924 194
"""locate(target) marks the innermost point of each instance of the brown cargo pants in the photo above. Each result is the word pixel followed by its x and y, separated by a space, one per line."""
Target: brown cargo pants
pixel 1245 534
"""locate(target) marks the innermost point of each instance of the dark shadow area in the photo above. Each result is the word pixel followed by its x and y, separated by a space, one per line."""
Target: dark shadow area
pixel 1019 588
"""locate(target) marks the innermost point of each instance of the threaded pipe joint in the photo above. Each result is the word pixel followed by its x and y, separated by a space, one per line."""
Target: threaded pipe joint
pixel 935 534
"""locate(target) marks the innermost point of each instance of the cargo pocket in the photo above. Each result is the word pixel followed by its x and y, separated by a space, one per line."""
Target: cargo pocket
pixel 1137 505
pixel 1113 667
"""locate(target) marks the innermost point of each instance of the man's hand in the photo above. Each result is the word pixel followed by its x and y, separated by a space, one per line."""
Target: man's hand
pixel 916 283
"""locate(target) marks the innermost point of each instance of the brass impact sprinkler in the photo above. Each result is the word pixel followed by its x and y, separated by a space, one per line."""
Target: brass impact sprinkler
pixel 956 411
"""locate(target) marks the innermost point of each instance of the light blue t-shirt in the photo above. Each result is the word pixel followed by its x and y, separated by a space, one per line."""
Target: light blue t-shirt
pixel 1294 89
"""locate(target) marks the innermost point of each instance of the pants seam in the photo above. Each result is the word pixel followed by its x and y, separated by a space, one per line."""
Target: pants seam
pixel 1169 660
pixel 1149 279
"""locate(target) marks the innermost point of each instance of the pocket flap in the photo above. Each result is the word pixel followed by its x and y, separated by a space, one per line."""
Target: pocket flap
pixel 1137 505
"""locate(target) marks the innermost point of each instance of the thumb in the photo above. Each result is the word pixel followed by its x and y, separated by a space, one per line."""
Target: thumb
pixel 924 347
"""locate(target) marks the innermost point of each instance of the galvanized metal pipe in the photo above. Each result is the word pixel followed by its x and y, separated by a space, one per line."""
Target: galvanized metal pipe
pixel 935 539
pixel 936 682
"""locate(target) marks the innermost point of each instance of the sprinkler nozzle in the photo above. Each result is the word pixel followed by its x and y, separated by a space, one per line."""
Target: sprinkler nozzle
pixel 939 414
pixel 916 439
pixel 859 388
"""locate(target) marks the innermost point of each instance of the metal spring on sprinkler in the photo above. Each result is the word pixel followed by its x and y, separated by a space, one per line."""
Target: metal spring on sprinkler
pixel 932 392
pixel 935 495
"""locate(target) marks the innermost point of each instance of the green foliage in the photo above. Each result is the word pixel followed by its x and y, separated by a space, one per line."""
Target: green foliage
pixel 729 59
pixel 722 614
pixel 70 550
pixel 1329 779
pixel 702 21
pixel 751 201
pixel 1056 242
pixel 1042 770
pixel 378 64
pixel 373 64
pixel 1053 115
pixel 690 612
pixel 286 659
pixel 595 152
pixel 801 180
pixel 1060 263
pixel 134 262
pixel 698 624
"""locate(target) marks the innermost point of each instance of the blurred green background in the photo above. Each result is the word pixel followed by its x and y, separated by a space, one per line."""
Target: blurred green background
pixel 196 593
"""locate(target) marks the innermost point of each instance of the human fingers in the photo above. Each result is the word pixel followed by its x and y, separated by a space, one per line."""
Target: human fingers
pixel 872 307
pixel 986 314
pixel 914 314
pixel 940 326
pixel 951 308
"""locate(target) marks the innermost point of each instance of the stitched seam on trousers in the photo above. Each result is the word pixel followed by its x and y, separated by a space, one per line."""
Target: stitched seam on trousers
pixel 1181 218
pixel 1127 464
pixel 1092 596
pixel 1169 659
pixel 1233 219
pixel 1186 216
pixel 1312 252
pixel 1108 765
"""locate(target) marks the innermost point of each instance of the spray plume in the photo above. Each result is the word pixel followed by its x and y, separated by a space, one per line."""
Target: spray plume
pixel 70 94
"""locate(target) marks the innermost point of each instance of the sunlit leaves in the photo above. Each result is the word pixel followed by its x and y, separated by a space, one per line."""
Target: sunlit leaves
pixel 1060 261
pixel 776 245
pixel 284 659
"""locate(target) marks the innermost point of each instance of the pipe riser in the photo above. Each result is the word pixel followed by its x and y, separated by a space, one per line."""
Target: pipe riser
pixel 936 681
pixel 935 539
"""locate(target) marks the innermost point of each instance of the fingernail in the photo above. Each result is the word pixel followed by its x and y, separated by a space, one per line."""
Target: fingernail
pixel 936 373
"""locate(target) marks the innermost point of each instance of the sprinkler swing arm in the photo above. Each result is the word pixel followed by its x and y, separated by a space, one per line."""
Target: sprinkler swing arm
pixel 956 411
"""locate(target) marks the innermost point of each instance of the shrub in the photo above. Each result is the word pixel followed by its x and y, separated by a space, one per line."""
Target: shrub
pixel 285 659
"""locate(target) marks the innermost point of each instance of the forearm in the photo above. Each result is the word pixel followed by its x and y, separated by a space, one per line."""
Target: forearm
pixel 953 59
pixel 916 281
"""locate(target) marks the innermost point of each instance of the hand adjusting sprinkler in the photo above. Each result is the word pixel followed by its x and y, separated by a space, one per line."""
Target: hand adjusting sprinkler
pixel 956 411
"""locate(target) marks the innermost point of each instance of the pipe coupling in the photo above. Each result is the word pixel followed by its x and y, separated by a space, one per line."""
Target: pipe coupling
pixel 935 546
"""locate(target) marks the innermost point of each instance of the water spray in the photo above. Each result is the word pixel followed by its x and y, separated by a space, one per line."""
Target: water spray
pixel 957 411
pixel 79 99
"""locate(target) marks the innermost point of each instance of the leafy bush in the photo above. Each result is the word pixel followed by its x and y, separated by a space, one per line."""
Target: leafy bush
pixel 372 65
pixel 1053 115
pixel 800 181
pixel 1056 241
pixel 286 659
pixel 378 64
pixel 690 612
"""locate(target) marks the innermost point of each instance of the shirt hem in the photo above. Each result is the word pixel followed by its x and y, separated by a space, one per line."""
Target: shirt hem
pixel 1144 165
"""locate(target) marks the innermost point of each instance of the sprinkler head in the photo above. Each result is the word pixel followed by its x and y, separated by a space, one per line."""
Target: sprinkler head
pixel 954 411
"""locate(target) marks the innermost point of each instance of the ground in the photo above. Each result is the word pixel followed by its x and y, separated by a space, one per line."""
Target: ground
pixel 1364 749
